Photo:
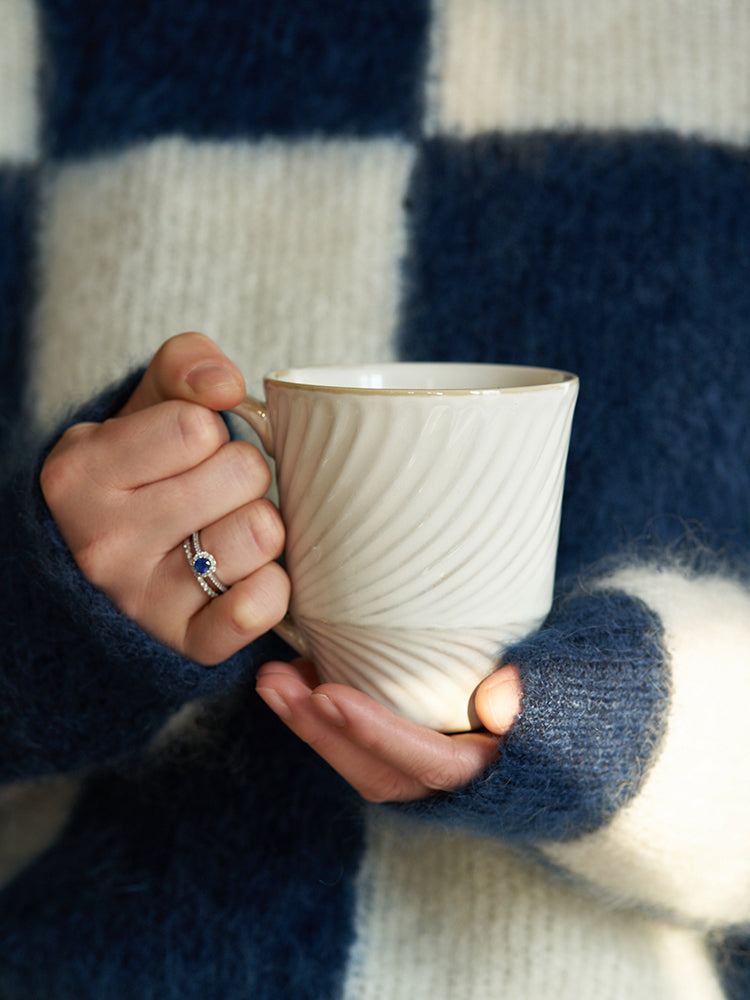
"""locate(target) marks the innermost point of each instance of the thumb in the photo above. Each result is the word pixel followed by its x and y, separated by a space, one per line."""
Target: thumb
pixel 192 367
pixel 497 700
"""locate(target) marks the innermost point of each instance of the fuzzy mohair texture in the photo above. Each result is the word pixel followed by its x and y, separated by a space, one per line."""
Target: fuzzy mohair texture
pixel 562 183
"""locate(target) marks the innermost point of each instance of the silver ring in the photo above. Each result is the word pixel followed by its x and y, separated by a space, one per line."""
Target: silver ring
pixel 203 565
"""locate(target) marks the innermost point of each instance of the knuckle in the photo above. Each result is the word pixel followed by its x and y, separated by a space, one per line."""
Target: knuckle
pixel 385 789
pixel 257 467
pixel 266 529
pixel 96 557
pixel 442 781
pixel 54 479
pixel 244 462
pixel 263 602
pixel 200 431
pixel 61 472
pixel 448 775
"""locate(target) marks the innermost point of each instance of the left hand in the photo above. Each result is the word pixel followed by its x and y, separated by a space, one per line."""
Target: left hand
pixel 125 493
pixel 387 758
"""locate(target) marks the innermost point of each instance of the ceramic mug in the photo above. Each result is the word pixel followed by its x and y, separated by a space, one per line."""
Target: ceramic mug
pixel 422 508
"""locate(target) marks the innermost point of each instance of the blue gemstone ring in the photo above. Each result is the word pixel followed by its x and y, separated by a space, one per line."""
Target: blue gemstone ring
pixel 203 565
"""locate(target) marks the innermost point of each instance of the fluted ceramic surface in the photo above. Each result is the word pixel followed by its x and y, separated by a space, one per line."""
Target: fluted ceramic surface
pixel 421 532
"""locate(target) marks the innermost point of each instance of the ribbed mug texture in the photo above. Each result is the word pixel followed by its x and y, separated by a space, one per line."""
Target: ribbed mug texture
pixel 421 529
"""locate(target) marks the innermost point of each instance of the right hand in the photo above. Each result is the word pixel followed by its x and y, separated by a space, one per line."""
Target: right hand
pixel 127 492
pixel 385 757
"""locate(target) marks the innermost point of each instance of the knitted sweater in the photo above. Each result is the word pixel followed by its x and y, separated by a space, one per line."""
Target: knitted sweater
pixel 554 182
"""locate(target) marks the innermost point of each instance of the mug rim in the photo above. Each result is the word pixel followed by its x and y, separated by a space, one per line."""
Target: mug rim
pixel 539 378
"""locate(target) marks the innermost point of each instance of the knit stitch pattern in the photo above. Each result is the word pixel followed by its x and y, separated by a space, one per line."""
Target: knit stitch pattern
pixel 595 700
pixel 560 182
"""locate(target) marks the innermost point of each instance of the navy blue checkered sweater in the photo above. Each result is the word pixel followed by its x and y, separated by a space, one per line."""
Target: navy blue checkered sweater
pixel 555 183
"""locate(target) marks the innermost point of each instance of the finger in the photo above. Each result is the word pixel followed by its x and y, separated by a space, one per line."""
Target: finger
pixel 170 510
pixel 241 543
pixel 290 696
pixel 164 595
pixel 246 611
pixel 438 761
pixel 154 444
pixel 191 367
pixel 99 466
pixel 498 699
pixel 245 540
pixel 385 757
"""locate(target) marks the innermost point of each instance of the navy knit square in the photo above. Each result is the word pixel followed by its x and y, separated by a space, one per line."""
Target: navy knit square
pixel 279 885
pixel 622 257
pixel 131 69
pixel 17 215
pixel 732 954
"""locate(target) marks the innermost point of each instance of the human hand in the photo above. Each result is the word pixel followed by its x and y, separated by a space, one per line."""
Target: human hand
pixel 127 492
pixel 383 756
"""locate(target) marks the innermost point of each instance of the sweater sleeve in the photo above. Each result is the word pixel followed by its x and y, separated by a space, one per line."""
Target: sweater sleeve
pixel 80 682
pixel 627 767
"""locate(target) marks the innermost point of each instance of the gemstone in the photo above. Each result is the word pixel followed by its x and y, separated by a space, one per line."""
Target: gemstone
pixel 202 565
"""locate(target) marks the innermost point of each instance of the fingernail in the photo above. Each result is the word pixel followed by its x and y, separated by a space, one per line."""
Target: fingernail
pixel 276 703
pixel 327 708
pixel 210 376
pixel 501 701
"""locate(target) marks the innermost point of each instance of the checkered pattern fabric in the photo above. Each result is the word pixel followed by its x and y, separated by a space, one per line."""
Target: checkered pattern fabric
pixel 554 182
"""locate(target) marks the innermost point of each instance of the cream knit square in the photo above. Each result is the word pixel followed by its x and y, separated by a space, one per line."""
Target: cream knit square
pixel 19 58
pixel 283 252
pixel 423 893
pixel 593 64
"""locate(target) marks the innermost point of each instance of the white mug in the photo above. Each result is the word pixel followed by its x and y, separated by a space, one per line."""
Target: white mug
pixel 422 509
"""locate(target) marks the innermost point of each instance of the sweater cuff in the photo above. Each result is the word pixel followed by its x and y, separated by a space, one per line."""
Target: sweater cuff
pixel 679 847
pixel 83 683
pixel 627 768
pixel 595 685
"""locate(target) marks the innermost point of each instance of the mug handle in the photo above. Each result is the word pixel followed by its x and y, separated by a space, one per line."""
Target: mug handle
pixel 255 413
